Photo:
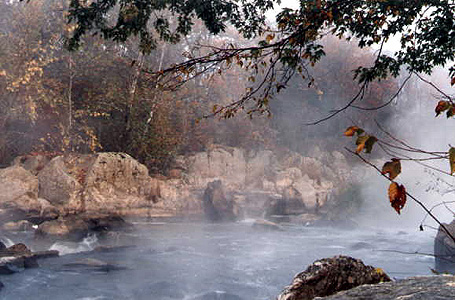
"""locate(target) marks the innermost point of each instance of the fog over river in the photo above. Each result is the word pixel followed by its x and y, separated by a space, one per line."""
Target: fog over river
pixel 207 261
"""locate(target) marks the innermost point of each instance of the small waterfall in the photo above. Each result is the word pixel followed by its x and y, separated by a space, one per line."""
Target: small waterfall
pixel 6 241
pixel 87 244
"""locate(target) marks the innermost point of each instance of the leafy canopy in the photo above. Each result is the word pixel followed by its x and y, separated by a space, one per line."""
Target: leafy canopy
pixel 425 28
pixel 119 19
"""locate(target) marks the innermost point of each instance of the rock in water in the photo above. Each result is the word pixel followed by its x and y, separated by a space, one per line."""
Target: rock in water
pixel 266 225
pixel 76 227
pixel 216 206
pixel 417 288
pixel 330 275
pixel 444 249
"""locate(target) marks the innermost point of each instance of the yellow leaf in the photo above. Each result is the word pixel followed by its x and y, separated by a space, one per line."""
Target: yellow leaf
pixel 350 131
pixel 269 38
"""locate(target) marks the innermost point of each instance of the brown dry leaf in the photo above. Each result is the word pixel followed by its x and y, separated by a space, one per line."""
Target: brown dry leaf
pixel 393 168
pixel 397 196
pixel 452 82
pixel 350 131
pixel 452 160
pixel 442 106
pixel 365 142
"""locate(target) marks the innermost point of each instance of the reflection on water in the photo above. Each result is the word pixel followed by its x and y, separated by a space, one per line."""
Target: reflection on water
pixel 208 261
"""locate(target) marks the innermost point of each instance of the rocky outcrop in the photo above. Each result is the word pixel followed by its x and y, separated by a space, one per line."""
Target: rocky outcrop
pixel 444 249
pixel 416 288
pixel 330 275
pixel 255 184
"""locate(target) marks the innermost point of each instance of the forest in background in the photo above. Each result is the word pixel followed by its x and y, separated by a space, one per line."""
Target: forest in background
pixel 98 98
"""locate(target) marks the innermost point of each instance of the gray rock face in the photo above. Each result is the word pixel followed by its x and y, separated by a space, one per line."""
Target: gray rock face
pixel 416 288
pixel 444 249
pixel 216 206
pixel 256 184
pixel 330 275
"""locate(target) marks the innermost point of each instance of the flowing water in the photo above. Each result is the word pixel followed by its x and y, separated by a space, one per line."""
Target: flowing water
pixel 207 261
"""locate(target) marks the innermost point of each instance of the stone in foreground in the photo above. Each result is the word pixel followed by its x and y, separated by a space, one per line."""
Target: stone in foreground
pixel 330 275
pixel 417 288
pixel 444 249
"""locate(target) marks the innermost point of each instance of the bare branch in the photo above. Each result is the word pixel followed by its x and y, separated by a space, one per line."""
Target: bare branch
pixel 444 228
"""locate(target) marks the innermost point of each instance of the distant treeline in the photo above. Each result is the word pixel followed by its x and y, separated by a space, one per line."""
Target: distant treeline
pixel 99 98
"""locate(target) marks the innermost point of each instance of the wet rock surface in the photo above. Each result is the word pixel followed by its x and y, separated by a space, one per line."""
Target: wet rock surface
pixel 416 288
pixel 18 257
pixel 330 275
pixel 76 227
pixel 92 264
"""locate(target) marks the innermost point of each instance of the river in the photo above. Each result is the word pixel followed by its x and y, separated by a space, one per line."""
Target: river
pixel 207 261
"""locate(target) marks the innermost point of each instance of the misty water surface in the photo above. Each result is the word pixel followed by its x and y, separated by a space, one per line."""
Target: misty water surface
pixel 211 261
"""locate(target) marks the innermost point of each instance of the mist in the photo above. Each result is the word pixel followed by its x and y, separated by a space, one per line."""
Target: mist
pixel 147 191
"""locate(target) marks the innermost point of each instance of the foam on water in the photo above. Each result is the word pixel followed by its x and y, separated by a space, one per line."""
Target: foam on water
pixel 6 241
pixel 87 244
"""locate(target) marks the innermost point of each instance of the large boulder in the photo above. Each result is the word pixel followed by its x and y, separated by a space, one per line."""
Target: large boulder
pixel 330 275
pixel 416 288
pixel 111 183
pixel 444 249
pixel 117 182
pixel 59 183
pixel 216 206
pixel 68 228
pixel 19 197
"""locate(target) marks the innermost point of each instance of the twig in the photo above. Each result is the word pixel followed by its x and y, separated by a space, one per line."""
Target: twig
pixel 409 195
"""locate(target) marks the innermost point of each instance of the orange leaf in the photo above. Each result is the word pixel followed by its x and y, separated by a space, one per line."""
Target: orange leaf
pixel 397 196
pixel 393 168
pixel 350 131
pixel 442 106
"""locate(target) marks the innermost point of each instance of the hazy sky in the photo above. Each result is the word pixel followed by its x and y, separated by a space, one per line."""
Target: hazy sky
pixel 392 45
